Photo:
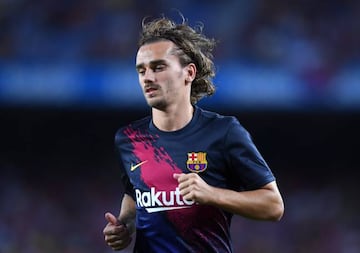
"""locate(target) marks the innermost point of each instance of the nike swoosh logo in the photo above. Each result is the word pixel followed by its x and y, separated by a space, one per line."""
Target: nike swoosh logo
pixel 134 167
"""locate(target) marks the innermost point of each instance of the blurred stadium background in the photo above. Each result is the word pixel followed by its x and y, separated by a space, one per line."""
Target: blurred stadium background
pixel 290 71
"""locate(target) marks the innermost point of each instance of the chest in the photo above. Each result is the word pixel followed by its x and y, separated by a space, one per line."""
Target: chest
pixel 152 161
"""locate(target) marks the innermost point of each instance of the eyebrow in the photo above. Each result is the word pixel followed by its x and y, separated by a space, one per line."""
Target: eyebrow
pixel 152 63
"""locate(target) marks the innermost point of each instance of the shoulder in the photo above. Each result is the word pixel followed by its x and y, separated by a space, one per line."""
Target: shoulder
pixel 224 120
pixel 134 126
pixel 229 125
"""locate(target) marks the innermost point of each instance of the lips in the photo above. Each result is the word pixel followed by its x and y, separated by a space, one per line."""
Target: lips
pixel 150 89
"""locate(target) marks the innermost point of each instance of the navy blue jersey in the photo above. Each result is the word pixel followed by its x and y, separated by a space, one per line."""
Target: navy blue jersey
pixel 216 147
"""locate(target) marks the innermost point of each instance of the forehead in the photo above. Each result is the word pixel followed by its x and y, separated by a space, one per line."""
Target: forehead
pixel 154 51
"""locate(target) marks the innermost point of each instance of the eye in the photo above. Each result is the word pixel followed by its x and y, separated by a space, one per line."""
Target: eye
pixel 159 68
pixel 141 71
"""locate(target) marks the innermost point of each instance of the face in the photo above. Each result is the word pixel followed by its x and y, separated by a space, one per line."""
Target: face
pixel 163 80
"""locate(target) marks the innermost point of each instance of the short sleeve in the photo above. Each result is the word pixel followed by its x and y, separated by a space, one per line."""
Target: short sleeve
pixel 248 169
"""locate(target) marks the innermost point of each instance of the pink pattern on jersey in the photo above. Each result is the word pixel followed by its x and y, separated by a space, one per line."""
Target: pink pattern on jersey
pixel 159 169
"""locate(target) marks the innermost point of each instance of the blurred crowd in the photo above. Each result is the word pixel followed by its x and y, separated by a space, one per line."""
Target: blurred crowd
pixel 300 33
pixel 62 215
pixel 313 40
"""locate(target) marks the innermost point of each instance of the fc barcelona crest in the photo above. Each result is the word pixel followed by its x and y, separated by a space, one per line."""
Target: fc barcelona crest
pixel 196 162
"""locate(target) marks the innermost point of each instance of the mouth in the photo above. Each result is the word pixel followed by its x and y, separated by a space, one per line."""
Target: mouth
pixel 150 89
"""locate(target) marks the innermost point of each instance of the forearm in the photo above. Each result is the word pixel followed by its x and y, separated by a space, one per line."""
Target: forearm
pixel 128 213
pixel 261 204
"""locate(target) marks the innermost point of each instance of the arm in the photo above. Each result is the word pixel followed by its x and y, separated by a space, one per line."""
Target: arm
pixel 264 203
pixel 118 232
pixel 128 213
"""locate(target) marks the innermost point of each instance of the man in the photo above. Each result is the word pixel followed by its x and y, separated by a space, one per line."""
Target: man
pixel 186 171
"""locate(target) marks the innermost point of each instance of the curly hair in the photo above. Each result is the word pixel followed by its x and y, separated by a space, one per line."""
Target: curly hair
pixel 192 47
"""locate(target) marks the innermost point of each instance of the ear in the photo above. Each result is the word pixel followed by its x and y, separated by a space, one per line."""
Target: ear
pixel 190 72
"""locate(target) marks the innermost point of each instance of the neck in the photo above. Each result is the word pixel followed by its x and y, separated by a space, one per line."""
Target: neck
pixel 172 119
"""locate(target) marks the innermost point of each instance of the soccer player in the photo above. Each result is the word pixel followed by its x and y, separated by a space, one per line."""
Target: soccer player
pixel 186 171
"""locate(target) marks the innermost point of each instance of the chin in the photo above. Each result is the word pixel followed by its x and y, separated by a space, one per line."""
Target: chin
pixel 160 105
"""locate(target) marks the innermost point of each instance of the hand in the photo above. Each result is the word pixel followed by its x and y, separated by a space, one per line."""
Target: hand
pixel 116 234
pixel 193 187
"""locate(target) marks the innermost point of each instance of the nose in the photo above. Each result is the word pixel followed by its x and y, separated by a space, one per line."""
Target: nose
pixel 149 76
